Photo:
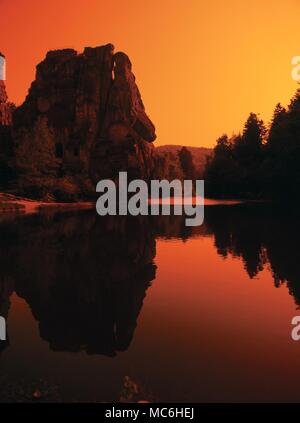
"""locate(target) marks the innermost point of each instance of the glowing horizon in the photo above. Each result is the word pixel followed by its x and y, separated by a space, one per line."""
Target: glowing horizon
pixel 201 68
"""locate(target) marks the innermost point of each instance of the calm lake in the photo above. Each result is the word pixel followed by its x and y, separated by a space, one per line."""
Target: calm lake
pixel 188 314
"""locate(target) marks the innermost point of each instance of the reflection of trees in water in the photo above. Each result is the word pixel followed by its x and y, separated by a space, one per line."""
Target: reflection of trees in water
pixel 168 227
pixel 85 277
pixel 237 234
pixel 260 235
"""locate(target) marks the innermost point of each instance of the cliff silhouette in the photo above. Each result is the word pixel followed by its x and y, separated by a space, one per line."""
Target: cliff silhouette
pixel 6 147
pixel 82 120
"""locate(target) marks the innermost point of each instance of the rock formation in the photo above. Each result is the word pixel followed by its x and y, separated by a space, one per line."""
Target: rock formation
pixel 5 107
pixel 83 120
pixel 6 150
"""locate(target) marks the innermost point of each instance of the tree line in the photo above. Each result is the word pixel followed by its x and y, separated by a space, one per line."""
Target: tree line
pixel 263 162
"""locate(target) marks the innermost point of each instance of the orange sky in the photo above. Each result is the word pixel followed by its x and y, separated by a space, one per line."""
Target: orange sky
pixel 201 66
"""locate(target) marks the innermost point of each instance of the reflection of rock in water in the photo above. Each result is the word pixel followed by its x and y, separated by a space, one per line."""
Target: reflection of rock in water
pixel 6 279
pixel 84 277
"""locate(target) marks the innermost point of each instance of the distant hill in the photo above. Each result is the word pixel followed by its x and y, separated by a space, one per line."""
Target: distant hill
pixel 199 155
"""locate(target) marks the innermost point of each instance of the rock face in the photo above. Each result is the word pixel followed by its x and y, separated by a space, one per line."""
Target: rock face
pixel 5 107
pixel 83 120
pixel 6 150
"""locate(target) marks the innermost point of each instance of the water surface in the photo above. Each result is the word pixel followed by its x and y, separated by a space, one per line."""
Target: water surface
pixel 189 314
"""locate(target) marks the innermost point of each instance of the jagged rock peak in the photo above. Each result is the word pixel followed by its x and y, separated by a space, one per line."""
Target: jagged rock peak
pixel 85 110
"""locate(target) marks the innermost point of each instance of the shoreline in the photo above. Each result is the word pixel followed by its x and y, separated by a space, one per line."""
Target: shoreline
pixel 10 203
